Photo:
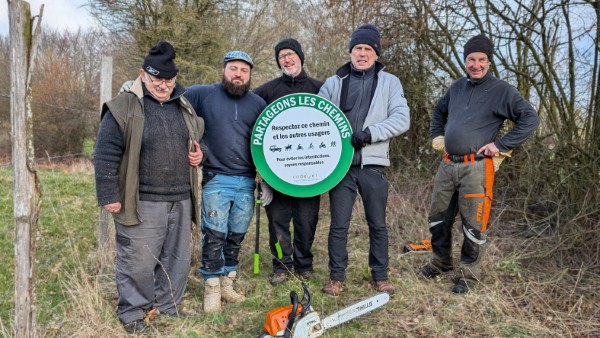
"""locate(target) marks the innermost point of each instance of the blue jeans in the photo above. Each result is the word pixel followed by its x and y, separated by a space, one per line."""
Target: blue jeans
pixel 227 209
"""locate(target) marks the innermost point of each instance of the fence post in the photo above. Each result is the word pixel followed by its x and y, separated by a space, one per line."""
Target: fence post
pixel 104 240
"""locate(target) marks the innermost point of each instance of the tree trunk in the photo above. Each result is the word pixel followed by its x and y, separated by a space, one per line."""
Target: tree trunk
pixel 26 196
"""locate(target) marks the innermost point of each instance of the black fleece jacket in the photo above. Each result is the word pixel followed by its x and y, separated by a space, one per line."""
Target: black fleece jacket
pixel 285 85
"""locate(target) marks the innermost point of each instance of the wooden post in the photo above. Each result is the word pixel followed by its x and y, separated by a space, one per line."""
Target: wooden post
pixel 104 241
pixel 26 196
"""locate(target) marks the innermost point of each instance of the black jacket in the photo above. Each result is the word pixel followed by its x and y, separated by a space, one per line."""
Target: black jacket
pixel 285 85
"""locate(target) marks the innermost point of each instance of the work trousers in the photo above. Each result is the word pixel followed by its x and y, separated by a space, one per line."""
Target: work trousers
pixel 153 259
pixel 372 185
pixel 464 188
pixel 227 208
pixel 304 213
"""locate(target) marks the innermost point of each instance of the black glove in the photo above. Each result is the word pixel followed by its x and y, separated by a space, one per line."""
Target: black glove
pixel 360 139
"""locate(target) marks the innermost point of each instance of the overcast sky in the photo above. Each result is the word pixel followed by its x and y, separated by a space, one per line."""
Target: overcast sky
pixel 58 14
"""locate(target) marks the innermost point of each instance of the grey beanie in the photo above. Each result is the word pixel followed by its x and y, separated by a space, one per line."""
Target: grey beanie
pixel 479 43
pixel 367 34
pixel 160 61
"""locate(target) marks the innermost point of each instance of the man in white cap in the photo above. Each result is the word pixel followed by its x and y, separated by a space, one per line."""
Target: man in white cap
pixel 229 110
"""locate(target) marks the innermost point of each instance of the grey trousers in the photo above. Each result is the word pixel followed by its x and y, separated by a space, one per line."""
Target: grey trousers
pixel 153 259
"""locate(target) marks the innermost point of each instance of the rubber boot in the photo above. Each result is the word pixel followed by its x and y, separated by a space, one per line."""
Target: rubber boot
pixel 212 295
pixel 228 294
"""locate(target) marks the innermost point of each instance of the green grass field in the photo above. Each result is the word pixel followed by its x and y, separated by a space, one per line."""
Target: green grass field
pixel 75 293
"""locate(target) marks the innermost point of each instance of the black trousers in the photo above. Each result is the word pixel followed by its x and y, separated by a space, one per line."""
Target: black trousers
pixel 304 213
pixel 372 184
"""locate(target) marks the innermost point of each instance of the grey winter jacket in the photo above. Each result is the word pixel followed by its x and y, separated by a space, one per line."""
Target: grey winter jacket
pixel 388 116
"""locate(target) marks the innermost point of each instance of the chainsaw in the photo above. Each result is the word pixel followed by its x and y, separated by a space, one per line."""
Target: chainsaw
pixel 300 320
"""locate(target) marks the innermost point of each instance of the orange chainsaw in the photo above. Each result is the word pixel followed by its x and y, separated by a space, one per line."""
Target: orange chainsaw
pixel 300 320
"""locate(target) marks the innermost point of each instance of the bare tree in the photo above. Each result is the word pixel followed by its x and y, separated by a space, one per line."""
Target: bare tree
pixel 26 193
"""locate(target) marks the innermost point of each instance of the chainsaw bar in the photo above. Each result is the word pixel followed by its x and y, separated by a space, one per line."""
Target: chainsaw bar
pixel 355 310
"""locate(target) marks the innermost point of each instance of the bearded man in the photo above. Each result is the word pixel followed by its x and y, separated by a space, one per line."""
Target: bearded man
pixel 229 110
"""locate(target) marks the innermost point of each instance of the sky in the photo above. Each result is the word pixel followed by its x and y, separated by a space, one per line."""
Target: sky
pixel 58 14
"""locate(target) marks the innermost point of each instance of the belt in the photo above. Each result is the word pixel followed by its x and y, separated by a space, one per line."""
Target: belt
pixel 468 158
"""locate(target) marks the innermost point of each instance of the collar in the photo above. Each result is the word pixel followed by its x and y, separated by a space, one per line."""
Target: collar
pixel 346 69
pixel 484 79
pixel 299 78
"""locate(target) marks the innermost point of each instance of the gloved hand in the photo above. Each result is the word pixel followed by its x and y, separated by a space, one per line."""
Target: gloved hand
pixel 438 144
pixel 360 139
pixel 499 157
pixel 126 86
pixel 267 193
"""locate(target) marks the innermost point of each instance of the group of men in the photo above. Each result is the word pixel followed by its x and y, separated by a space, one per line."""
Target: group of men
pixel 155 134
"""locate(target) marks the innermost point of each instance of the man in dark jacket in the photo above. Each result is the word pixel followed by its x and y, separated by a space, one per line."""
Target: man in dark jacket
pixel 374 103
pixel 229 110
pixel 464 126
pixel 296 255
pixel 145 165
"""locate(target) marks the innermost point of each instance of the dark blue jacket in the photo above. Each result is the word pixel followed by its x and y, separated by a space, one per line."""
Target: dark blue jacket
pixel 228 122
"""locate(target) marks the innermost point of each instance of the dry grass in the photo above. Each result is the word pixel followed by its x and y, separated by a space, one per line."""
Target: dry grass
pixel 536 283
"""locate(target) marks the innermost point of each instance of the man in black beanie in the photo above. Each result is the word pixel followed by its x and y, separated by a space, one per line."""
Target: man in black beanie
pixel 465 126
pixel 374 103
pixel 145 161
pixel 281 209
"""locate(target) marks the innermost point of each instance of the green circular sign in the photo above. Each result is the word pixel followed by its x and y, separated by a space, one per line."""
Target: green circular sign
pixel 301 145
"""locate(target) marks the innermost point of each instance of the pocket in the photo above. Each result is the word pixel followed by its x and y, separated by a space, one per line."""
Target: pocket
pixel 123 241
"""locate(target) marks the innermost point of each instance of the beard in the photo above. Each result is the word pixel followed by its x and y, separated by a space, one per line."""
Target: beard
pixel 235 90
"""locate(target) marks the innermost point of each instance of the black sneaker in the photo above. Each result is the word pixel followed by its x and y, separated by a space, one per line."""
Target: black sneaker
pixel 432 271
pixel 137 326
pixel 461 287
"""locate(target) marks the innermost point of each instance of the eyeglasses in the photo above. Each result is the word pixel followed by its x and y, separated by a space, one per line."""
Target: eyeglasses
pixel 157 82
pixel 288 55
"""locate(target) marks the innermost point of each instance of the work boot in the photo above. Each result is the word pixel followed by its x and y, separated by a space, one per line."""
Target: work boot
pixel 136 326
pixel 432 271
pixel 333 288
pixel 460 287
pixel 228 294
pixel 305 276
pixel 385 286
pixel 279 278
pixel 212 295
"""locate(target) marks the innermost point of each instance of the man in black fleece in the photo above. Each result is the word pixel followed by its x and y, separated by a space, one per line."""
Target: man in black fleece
pixel 145 161
pixel 465 124
pixel 281 208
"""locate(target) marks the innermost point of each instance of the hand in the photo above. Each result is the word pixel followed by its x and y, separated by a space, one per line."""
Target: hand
pixel 360 139
pixel 113 208
pixel 125 87
pixel 489 149
pixel 267 193
pixel 195 157
pixel 438 144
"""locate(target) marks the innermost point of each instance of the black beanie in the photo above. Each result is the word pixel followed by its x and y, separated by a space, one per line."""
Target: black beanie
pixel 160 61
pixel 367 34
pixel 290 44
pixel 479 43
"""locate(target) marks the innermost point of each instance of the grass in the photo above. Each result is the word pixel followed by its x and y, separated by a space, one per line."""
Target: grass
pixel 524 294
